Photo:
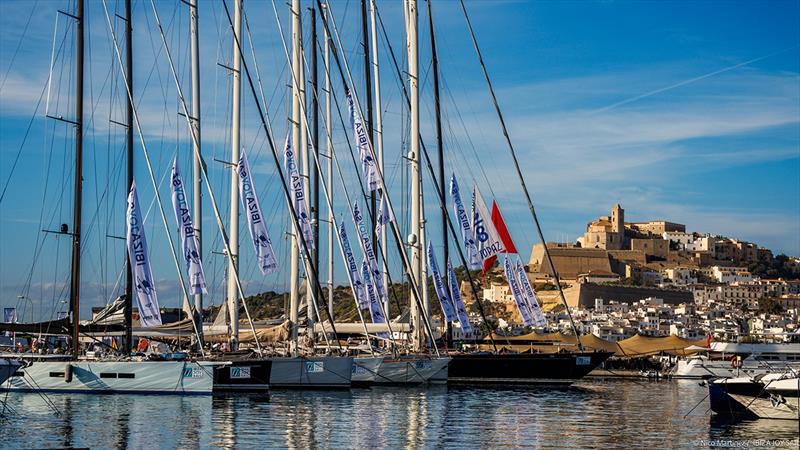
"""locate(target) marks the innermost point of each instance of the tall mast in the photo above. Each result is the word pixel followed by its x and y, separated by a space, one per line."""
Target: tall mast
pixel 75 279
pixel 417 252
pixel 294 299
pixel 315 143
pixel 368 101
pixel 329 151
pixel 197 173
pixel 378 129
pixel 440 151
pixel 233 257
pixel 128 341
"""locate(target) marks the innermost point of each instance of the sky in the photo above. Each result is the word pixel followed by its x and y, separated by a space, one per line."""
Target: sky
pixel 679 111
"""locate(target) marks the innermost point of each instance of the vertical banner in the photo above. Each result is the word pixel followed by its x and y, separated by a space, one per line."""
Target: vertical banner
pixel 149 314
pixel 384 216
pixel 374 303
pixel 362 143
pixel 441 290
pixel 194 266
pixel 519 297
pixel 9 316
pixel 296 188
pixel 530 295
pixel 366 243
pixel 352 269
pixel 255 219
pixel 458 301
pixel 487 237
pixel 465 225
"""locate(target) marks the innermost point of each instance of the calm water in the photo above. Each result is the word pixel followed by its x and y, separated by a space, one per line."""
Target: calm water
pixel 593 413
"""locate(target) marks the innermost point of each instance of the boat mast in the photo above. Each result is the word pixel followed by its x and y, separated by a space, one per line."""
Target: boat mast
pixel 329 152
pixel 378 131
pixel 197 210
pixel 415 238
pixel 233 257
pixel 368 101
pixel 440 151
pixel 128 340
pixel 295 124
pixel 75 277
pixel 305 174
pixel 313 162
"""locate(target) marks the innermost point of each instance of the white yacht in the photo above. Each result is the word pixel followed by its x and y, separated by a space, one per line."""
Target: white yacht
pixel 60 374
pixel 728 360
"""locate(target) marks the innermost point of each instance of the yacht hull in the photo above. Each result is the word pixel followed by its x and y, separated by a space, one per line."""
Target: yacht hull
pixel 523 368
pixel 412 370
pixel 324 372
pixel 365 370
pixel 7 368
pixel 115 377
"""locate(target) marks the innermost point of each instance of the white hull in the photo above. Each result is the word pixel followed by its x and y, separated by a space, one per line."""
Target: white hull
pixel 704 368
pixel 771 408
pixel 115 377
pixel 365 370
pixel 413 369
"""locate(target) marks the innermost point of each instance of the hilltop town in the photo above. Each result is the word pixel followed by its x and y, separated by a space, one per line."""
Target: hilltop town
pixel 656 278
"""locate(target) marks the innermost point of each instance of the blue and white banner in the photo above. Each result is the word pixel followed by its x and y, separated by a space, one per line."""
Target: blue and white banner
pixel 465 225
pixel 194 266
pixel 438 284
pixel 458 301
pixel 149 314
pixel 519 297
pixel 369 251
pixel 362 142
pixel 530 295
pixel 384 216
pixel 374 303
pixel 296 188
pixel 352 269
pixel 255 218
pixel 488 239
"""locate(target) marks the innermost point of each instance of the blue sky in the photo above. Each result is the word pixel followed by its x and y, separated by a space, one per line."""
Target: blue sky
pixel 684 111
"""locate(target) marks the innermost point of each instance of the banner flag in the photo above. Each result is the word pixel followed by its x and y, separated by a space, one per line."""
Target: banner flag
pixel 458 301
pixel 505 236
pixel 255 218
pixel 149 314
pixel 488 239
pixel 384 216
pixel 194 265
pixel 352 269
pixel 369 251
pixel 374 303
pixel 296 188
pixel 519 297
pixel 536 314
pixel 362 143
pixel 441 290
pixel 465 225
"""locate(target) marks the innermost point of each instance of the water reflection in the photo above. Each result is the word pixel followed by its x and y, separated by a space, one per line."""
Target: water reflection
pixel 608 414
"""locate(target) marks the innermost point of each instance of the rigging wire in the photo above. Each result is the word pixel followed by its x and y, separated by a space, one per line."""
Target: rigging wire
pixel 519 173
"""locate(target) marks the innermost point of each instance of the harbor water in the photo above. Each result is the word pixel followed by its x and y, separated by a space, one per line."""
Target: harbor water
pixel 595 413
